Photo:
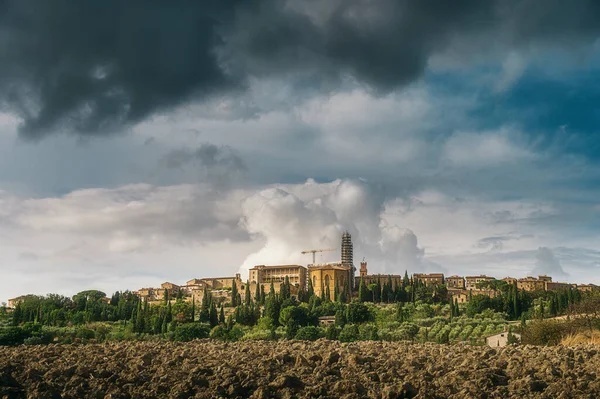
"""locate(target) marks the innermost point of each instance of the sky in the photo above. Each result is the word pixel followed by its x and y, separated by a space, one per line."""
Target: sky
pixel 143 142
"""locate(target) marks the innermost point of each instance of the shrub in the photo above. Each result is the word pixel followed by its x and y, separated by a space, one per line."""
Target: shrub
pixel 368 332
pixel 34 341
pixel 254 335
pixel 85 333
pixel 349 333
pixel 308 333
pixel 332 332
pixel 189 331
pixel 357 312
pixel 543 332
pixel 224 334
pixel 12 336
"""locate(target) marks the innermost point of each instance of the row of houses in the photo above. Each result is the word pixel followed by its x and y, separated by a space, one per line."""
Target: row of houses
pixel 327 276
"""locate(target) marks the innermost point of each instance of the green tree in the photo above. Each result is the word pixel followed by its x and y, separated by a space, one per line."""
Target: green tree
pixel 247 296
pixel 292 318
pixel 222 315
pixel 204 316
pixel 311 290
pixel 363 292
pixel 257 294
pixel 213 315
pixel 357 312
pixel 234 294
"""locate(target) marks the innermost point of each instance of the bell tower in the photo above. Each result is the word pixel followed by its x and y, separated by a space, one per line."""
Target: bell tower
pixel 363 268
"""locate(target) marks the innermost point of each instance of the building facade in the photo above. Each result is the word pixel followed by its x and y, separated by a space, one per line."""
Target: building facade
pixel 374 278
pixel 556 286
pixel 472 281
pixel 296 275
pixel 325 278
pixel 457 282
pixel 429 279
pixel 531 284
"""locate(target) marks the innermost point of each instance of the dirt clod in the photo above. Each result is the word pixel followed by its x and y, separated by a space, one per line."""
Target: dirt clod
pixel 294 369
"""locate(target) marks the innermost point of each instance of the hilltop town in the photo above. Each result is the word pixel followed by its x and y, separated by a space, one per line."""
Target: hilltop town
pixel 335 279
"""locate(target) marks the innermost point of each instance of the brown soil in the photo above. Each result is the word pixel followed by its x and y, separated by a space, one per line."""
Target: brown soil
pixel 295 369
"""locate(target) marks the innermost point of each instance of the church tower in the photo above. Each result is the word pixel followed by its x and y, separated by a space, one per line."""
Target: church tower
pixel 348 256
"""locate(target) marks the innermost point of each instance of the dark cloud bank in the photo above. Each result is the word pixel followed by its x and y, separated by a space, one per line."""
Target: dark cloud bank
pixel 96 66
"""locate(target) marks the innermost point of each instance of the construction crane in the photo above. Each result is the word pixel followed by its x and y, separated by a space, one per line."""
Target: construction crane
pixel 314 251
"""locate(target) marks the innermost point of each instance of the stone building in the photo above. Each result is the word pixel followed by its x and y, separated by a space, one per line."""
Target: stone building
pixel 13 302
pixel 457 282
pixel 531 284
pixel 429 279
pixel 330 275
pixel 373 278
pixel 587 287
pixel 500 340
pixel 472 281
pixel 556 286
pixel 510 280
pixel 296 275
pixel 457 295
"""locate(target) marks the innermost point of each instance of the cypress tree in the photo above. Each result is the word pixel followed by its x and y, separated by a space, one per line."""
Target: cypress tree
pixel 322 291
pixel 262 295
pixel 165 324
pixel 222 315
pixel 377 292
pixel 169 315
pixel 205 307
pixel 139 319
pixel 257 294
pixel 213 316
pixel 248 298
pixel 336 293
pixel 17 315
pixel 311 290
pixel 405 280
pixel 343 295
pixel 234 294
pixel 272 289
pixel 362 291
pixel 193 309
pixel 327 293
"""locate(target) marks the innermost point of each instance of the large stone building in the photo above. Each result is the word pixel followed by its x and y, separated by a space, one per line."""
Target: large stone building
pixel 156 294
pixel 556 286
pixel 374 278
pixel 472 281
pixel 510 280
pixel 457 282
pixel 531 284
pixel 429 279
pixel 296 275
pixel 214 283
pixel 330 275
pixel 13 302
pixel 588 287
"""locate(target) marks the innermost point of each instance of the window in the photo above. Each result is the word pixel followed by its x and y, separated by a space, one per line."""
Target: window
pixel 327 280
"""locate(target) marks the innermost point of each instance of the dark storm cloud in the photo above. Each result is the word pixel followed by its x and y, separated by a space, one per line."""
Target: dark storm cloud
pixel 92 66
pixel 96 66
